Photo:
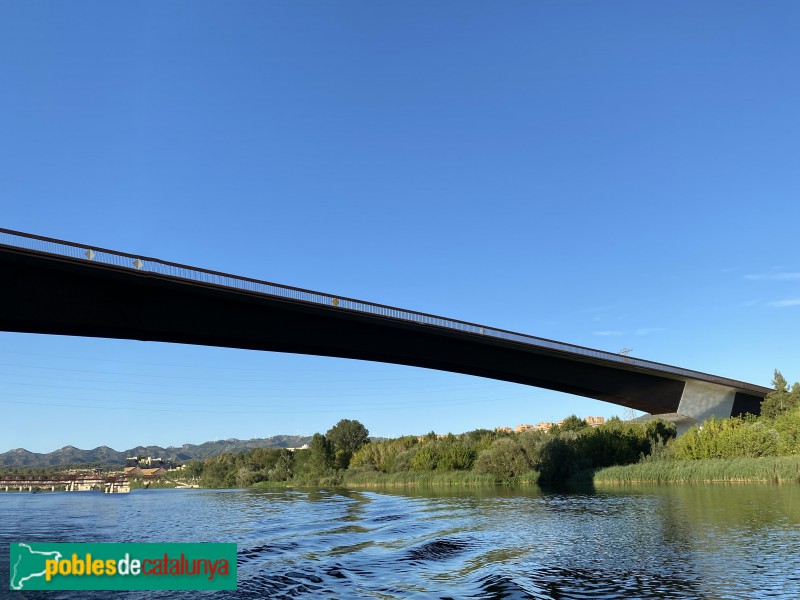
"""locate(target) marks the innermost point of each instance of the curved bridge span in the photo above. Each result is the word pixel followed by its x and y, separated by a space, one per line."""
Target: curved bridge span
pixel 58 287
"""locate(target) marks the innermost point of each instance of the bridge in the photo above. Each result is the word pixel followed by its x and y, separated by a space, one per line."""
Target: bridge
pixel 67 482
pixel 58 287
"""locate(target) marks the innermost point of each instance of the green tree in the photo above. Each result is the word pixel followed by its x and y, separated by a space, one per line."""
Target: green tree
pixel 455 456
pixel 794 395
pixel 558 459
pixel 346 437
pixel 219 472
pixel 245 477
pixel 262 459
pixel 779 382
pixel 401 462
pixel 194 469
pixel 382 455
pixel 780 400
pixel 573 423
pixel 504 458
pixel 321 455
pixel 284 467
pixel 425 459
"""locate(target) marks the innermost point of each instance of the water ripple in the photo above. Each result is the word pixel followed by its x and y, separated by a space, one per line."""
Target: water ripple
pixel 677 542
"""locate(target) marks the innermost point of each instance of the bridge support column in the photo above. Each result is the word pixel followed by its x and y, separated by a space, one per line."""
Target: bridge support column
pixel 701 401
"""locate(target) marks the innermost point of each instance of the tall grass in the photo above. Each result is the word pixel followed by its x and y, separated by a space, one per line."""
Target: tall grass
pixel 432 479
pixel 770 469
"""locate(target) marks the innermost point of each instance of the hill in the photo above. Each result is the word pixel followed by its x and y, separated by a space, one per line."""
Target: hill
pixel 70 455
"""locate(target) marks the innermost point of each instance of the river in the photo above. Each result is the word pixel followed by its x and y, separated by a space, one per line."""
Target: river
pixel 683 541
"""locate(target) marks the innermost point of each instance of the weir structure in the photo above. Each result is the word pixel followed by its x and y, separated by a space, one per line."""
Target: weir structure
pixel 58 287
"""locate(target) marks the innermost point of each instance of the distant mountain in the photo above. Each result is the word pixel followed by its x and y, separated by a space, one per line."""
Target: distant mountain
pixel 70 455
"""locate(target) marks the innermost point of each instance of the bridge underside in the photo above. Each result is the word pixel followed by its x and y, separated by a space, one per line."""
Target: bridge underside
pixel 51 295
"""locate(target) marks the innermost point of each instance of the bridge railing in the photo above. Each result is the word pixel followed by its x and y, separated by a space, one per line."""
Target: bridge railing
pixel 123 260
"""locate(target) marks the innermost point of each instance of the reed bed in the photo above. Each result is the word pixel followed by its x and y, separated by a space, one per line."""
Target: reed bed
pixel 768 469
pixel 432 479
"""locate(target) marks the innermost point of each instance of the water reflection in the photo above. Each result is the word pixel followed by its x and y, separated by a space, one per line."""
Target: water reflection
pixel 693 541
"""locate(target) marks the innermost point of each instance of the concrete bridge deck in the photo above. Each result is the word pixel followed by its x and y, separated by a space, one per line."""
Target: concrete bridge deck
pixel 59 287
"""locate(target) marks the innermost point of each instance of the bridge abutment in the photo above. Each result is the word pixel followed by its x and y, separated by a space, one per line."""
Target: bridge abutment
pixel 702 400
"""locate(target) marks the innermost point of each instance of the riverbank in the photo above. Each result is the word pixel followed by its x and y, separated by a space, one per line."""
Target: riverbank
pixel 766 469
pixel 405 479
pixel 434 479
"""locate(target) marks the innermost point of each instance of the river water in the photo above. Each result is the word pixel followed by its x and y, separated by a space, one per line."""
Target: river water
pixel 702 541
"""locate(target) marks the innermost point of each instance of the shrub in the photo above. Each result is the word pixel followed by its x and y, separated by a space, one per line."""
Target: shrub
pixel 504 458
pixel 455 456
pixel 425 459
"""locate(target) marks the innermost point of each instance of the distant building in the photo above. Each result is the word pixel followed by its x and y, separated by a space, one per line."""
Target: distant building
pixel 153 473
pixel 430 436
pixel 521 428
pixel 149 462
pixel 138 472
pixel 545 426
pixel 84 472
pixel 503 429
pixel 595 421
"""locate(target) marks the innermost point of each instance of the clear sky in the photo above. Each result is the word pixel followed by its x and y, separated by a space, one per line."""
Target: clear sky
pixel 610 174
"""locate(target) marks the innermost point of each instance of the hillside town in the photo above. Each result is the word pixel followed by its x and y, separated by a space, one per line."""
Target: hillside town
pixel 139 471
pixel 547 425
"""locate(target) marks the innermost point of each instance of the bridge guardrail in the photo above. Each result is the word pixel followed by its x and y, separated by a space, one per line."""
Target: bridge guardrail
pixel 26 241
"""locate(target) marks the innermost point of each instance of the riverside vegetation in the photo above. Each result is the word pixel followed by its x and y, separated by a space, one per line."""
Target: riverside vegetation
pixel 345 456
pixel 746 448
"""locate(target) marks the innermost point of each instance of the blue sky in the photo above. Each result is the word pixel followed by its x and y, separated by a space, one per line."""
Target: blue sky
pixel 618 174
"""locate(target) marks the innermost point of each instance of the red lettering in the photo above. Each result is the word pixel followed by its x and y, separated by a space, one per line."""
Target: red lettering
pixel 149 561
pixel 222 567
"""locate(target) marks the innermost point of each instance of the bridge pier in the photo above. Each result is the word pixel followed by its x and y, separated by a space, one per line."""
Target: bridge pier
pixel 702 400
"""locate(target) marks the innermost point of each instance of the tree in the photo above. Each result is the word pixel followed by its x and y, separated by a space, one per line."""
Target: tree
pixel 558 460
pixel 195 469
pixel 346 437
pixel 284 467
pixel 245 477
pixel 779 382
pixel 573 423
pixel 425 459
pixel 781 400
pixel 504 458
pixel 455 456
pixel 794 394
pixel 321 454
